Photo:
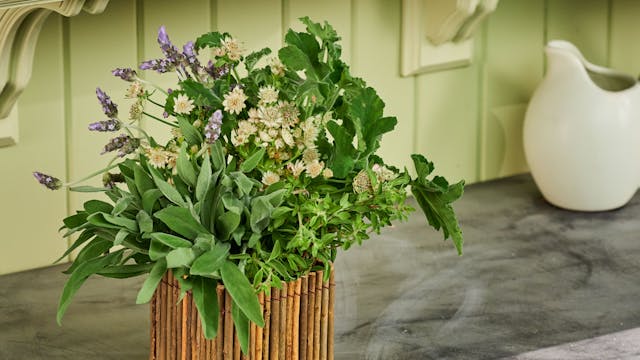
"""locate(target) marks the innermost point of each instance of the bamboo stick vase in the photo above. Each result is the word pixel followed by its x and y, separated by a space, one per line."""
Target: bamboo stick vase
pixel 298 324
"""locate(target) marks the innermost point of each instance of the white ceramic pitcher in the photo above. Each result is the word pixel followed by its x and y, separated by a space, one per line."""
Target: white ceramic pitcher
pixel 582 133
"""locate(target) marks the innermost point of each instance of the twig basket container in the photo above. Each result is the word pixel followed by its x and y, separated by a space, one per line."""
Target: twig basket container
pixel 298 324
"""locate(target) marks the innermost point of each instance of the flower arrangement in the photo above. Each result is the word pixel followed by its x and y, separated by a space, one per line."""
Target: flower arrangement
pixel 269 170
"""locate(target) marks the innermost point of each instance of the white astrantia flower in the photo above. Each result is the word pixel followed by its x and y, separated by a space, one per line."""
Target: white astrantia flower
pixel 233 48
pixel 219 51
pixel 287 137
pixel 246 128
pixel 269 178
pixel 270 116
pixel 383 173
pixel 254 115
pixel 234 101
pixel 310 155
pixel 135 89
pixel 327 173
pixel 296 168
pixel 157 157
pixel 314 168
pixel 276 66
pixel 268 94
pixel 183 105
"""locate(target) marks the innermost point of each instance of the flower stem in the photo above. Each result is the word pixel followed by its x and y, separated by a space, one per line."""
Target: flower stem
pixel 158 119
pixel 110 166
pixel 154 85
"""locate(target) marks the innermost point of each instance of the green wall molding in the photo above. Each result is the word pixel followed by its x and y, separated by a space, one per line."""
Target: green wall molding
pixel 20 25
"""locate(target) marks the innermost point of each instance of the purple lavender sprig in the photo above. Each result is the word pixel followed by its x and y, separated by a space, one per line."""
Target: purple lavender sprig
pixel 216 72
pixel 126 74
pixel 108 107
pixel 125 145
pixel 105 125
pixel 48 181
pixel 213 127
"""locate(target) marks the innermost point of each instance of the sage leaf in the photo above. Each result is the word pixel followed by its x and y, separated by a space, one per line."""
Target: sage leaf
pixel 171 241
pixel 204 179
pixel 241 292
pixel 242 327
pixel 211 261
pixel 80 275
pixel 252 161
pixel 180 257
pixel 149 199
pixel 185 168
pixel 206 300
pixel 181 221
pixel 168 191
pixel 151 283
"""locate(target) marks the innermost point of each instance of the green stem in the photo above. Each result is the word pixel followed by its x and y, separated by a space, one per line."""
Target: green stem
pixel 158 119
pixel 155 103
pixel 154 85
pixel 110 166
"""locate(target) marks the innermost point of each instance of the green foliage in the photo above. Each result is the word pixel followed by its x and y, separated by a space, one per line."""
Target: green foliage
pixel 287 182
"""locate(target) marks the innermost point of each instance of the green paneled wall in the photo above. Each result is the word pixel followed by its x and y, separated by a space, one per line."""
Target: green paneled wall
pixel 468 120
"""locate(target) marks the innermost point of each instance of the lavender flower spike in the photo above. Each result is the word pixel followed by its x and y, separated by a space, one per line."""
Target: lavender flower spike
pixel 213 127
pixel 123 143
pixel 106 125
pixel 47 180
pixel 126 74
pixel 108 107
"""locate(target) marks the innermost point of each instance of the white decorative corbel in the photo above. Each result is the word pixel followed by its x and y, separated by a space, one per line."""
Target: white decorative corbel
pixel 437 34
pixel 20 25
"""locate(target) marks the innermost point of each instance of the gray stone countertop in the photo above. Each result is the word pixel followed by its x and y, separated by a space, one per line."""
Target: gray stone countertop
pixel 535 282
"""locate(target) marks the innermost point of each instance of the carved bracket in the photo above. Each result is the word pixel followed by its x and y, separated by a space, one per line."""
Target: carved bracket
pixel 20 25
pixel 438 34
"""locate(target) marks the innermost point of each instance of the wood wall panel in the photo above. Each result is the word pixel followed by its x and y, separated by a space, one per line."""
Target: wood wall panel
pixel 513 65
pixel 31 215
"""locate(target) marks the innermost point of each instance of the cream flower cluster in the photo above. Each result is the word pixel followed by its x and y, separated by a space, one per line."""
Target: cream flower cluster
pixel 161 158
pixel 275 125
pixel 230 47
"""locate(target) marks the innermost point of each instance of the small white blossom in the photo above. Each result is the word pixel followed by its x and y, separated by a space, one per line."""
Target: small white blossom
pixel 327 173
pixel 276 66
pixel 157 157
pixel 135 89
pixel 315 168
pixel 268 94
pixel 310 155
pixel 234 101
pixel 296 168
pixel 382 173
pixel 269 178
pixel 233 48
pixel 183 105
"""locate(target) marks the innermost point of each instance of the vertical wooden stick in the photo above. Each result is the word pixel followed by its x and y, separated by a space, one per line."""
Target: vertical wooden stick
pixel 310 314
pixel 282 344
pixel 218 342
pixel 295 353
pixel 316 316
pixel 252 340
pixel 304 303
pixel 259 334
pixel 197 341
pixel 173 320
pixel 267 328
pixel 290 294
pixel 324 323
pixel 332 302
pixel 183 328
pixel 228 328
pixel 178 324
pixel 164 321
pixel 274 346
pixel 152 343
pixel 236 346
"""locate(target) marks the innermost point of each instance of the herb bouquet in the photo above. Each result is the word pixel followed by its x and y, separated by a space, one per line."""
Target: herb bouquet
pixel 269 170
